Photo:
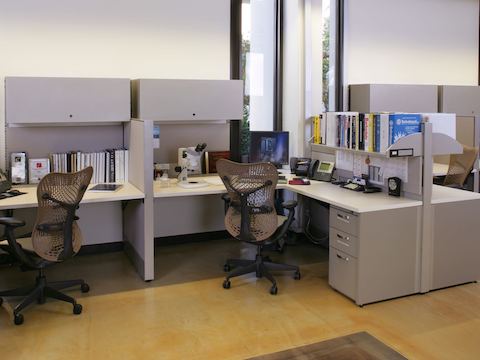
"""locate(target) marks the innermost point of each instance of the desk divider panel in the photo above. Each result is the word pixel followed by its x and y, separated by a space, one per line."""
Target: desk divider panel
pixel 138 215
pixel 41 141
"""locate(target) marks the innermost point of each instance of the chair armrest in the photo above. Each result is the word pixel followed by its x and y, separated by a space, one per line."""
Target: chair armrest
pixel 226 198
pixel 11 222
pixel 290 204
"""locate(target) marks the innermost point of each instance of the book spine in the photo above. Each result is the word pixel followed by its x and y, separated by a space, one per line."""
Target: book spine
pixel 377 133
pixel 384 126
pixel 371 134
pixel 127 159
pixel 361 131
pixel 117 166
pixel 316 129
pixel 112 165
pixel 367 139
pixel 323 130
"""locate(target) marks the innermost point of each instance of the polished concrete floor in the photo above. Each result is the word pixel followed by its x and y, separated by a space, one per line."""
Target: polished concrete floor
pixel 185 313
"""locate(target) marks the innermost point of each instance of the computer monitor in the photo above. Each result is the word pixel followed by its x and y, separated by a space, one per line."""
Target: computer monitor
pixel 269 146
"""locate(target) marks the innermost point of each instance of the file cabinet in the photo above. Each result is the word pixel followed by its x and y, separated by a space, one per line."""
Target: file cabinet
pixel 56 100
pixel 373 255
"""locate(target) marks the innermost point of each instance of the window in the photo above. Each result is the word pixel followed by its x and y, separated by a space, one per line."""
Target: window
pixel 328 57
pixel 258 63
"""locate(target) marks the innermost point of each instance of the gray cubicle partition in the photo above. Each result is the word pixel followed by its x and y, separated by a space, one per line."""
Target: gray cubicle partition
pixel 393 97
pixel 187 100
pixel 138 215
pixel 464 101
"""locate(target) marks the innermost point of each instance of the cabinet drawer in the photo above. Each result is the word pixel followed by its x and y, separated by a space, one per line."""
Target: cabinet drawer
pixel 31 100
pixel 342 273
pixel 344 221
pixel 343 241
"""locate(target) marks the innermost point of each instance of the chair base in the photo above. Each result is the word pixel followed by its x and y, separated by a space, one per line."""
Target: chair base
pixel 41 291
pixel 261 266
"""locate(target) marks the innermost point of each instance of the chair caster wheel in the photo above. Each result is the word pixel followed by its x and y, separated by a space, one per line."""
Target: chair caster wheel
pixel 85 288
pixel 226 268
pixel 226 284
pixel 274 290
pixel 18 319
pixel 77 309
pixel 297 275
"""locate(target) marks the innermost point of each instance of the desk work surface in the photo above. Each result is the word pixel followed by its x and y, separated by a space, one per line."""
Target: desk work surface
pixel 445 194
pixel 323 191
pixel 358 202
pixel 28 200
pixel 215 186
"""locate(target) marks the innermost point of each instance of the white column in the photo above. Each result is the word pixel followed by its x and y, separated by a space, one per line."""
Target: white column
pixel 294 76
pixel 260 65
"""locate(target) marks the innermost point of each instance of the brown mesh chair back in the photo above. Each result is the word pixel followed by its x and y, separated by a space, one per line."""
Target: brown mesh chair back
pixel 460 166
pixel 56 235
pixel 251 215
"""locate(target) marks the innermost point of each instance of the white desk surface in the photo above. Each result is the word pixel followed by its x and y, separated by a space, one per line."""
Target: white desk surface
pixel 29 200
pixel 323 191
pixel 358 202
pixel 444 194
pixel 215 187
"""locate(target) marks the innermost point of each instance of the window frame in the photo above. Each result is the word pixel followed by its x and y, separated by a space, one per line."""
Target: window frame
pixel 235 69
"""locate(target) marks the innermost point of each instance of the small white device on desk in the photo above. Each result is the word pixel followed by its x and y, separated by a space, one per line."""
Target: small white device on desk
pixel 191 158
pixel 190 162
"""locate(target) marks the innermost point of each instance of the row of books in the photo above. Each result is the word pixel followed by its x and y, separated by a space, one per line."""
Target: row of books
pixel 109 166
pixel 373 132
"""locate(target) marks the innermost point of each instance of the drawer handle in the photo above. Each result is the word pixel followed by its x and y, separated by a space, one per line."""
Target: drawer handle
pixel 343 257
pixel 347 238
pixel 343 243
pixel 344 218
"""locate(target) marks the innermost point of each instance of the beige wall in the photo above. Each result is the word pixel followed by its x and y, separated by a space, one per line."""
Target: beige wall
pixel 114 38
pixel 411 42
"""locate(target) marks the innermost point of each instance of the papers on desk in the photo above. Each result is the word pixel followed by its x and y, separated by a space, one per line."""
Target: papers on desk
pixel 383 168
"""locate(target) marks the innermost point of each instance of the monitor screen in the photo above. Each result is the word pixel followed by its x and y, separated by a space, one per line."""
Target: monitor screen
pixel 269 146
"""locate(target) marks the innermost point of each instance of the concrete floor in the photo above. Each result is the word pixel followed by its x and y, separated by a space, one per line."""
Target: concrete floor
pixel 185 314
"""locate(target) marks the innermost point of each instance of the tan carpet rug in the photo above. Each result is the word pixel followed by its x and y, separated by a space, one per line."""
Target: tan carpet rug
pixel 358 346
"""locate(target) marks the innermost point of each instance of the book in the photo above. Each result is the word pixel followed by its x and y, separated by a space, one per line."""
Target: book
pixel 401 125
pixel 332 129
pixel 370 132
pixel 384 127
pixel 323 129
pixel 316 129
pixel 37 169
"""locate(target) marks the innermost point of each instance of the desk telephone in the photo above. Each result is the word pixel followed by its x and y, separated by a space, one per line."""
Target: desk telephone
pixel 312 169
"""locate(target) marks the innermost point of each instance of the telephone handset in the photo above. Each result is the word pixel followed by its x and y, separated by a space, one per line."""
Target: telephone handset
pixel 305 167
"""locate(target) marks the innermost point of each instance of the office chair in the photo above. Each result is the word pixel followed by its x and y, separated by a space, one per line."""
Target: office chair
pixel 56 237
pixel 460 167
pixel 251 217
